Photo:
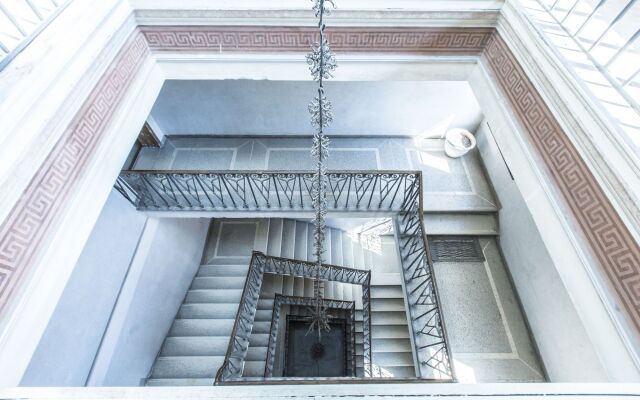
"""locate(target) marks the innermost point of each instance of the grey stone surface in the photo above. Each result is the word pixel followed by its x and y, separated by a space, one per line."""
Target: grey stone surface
pixel 489 338
pixel 203 158
pixel 470 307
pixel 236 238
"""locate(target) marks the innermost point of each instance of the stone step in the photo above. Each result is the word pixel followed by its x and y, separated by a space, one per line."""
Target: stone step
pixel 390 332
pixel 209 282
pixel 386 279
pixel 214 296
pixel 383 304
pixel 258 339
pixel 223 270
pixel 461 224
pixel 391 345
pixel 195 346
pixel 394 359
pixel 202 327
pixel 210 311
pixel 181 382
pixel 253 368
pixel 388 318
pixel 264 315
pixel 257 353
pixel 265 304
pixel 187 367
pixel 397 372
pixel 261 327
pixel 389 292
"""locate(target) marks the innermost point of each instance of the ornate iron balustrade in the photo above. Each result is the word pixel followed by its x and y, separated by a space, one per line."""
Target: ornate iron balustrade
pixel 261 191
pixel 260 264
pixel 281 300
pixel 428 328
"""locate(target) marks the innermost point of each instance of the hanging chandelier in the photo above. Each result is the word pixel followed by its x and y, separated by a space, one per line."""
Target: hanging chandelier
pixel 322 63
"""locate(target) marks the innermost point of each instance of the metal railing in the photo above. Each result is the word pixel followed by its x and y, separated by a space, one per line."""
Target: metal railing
pixel 231 369
pixel 21 21
pixel 261 191
pixel 281 300
pixel 425 313
pixel 398 192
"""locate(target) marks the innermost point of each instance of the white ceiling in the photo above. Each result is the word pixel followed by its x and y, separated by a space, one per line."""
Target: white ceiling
pixel 252 107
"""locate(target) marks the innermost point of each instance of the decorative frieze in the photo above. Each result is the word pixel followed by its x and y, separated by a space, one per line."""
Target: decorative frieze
pixel 469 41
pixel 32 217
pixel 609 240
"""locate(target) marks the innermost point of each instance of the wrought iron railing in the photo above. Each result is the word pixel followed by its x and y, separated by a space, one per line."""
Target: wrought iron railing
pixel 260 190
pixel 281 300
pixel 425 313
pixel 231 369
pixel 396 192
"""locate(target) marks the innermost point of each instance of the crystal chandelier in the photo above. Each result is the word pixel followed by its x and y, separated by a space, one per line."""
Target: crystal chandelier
pixel 322 63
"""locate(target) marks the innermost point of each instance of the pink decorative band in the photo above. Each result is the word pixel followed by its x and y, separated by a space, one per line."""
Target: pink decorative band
pixel 32 217
pixel 609 239
pixel 295 39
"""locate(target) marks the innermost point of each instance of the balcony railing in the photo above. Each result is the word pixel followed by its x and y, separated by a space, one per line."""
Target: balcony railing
pixel 396 192
pixel 260 264
pixel 21 21
pixel 262 191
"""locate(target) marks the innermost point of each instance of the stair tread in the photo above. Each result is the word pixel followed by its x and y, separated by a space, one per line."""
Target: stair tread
pixel 195 346
pixel 181 382
pixel 201 327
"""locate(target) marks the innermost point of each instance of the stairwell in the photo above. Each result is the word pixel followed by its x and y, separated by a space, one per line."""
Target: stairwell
pixel 196 344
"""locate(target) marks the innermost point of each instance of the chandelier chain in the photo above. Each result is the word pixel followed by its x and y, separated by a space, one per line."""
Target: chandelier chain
pixel 322 63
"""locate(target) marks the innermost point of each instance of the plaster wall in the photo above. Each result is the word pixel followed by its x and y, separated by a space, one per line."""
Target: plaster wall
pixel 69 344
pixel 257 107
pixel 168 256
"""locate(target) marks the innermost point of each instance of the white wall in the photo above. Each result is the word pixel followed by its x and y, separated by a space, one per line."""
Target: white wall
pixel 565 348
pixel 167 258
pixel 69 344
pixel 280 107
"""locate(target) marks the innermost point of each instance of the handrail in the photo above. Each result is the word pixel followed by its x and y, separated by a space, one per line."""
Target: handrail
pixel 263 190
pixel 427 325
pixel 259 265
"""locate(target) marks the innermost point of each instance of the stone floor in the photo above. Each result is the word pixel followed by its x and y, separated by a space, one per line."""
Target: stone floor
pixel 451 185
pixel 489 338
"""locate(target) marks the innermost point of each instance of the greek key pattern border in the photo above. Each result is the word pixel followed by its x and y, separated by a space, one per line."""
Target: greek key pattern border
pixel 32 217
pixel 608 238
pixel 457 41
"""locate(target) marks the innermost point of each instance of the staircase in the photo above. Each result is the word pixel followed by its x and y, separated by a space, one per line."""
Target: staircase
pixel 196 344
